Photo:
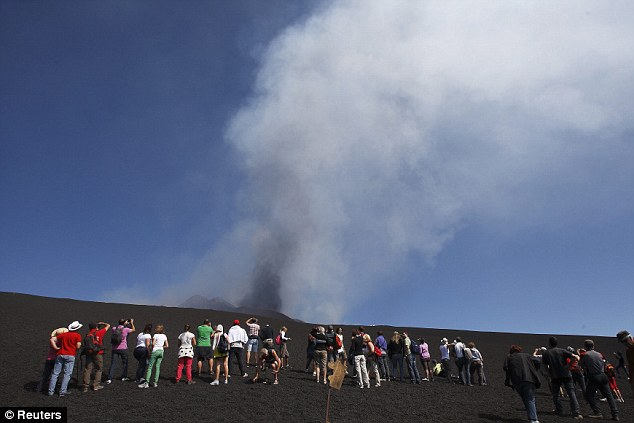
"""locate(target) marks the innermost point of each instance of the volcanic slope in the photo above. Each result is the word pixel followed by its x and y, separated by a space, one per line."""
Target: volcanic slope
pixel 27 321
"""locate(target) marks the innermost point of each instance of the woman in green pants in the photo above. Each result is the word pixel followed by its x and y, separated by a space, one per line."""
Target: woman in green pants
pixel 159 343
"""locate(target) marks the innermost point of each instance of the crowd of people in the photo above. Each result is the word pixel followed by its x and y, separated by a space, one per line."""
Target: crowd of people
pixel 566 370
pixel 382 358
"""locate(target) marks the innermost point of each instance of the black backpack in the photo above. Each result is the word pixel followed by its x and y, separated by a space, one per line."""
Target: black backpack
pixel 413 347
pixel 90 345
pixel 223 344
pixel 117 336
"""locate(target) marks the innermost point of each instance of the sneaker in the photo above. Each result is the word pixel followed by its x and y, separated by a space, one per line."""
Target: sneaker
pixel 314 373
pixel 578 417
pixel 191 382
pixel 594 415
pixel 215 383
pixel 245 375
pixel 615 418
pixel 361 386
pixel 144 385
pixel 275 382
pixel 125 379
pixel 85 389
pixel 154 385
pixel 226 381
pixel 98 387
pixel 63 394
pixel 108 382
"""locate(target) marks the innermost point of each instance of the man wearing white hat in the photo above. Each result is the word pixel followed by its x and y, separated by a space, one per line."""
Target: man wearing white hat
pixel 67 345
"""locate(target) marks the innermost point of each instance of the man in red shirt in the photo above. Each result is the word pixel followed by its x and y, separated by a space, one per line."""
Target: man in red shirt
pixel 66 345
pixel 95 360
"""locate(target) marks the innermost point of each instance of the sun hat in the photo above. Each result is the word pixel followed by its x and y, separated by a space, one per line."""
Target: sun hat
pixel 622 336
pixel 74 326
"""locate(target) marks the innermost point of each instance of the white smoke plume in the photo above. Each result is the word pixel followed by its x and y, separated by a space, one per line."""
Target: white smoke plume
pixel 377 130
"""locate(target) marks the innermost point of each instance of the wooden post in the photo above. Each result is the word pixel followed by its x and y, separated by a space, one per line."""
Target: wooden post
pixel 328 406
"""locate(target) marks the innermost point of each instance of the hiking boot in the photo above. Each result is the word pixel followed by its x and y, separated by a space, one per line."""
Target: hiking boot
pixel 595 415
pixel 98 387
pixel 85 389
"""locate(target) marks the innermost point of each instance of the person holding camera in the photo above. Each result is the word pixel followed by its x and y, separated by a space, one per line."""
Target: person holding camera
pixel 119 341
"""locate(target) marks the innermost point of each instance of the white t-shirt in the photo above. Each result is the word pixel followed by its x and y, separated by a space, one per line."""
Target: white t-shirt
pixel 140 339
pixel 159 341
pixel 186 338
pixel 186 349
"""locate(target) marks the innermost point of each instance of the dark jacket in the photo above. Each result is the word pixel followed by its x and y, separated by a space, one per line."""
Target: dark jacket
pixel 556 360
pixel 520 367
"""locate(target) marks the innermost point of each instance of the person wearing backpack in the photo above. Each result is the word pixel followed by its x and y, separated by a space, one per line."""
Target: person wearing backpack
pixel 119 341
pixel 220 347
pixel 371 359
pixel 159 343
pixel 93 349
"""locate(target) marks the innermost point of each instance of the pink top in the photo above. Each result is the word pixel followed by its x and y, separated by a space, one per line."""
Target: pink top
pixel 124 338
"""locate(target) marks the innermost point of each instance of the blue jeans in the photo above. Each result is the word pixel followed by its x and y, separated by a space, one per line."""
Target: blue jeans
pixel 526 391
pixel 67 363
pixel 414 375
pixel 397 360
pixel 570 390
pixel 113 363
pixel 600 382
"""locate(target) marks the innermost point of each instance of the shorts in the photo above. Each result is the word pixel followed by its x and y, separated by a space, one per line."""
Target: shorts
pixel 252 345
pixel 218 354
pixel 204 353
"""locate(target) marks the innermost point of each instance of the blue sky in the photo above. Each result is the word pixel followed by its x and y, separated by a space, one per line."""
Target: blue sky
pixel 429 165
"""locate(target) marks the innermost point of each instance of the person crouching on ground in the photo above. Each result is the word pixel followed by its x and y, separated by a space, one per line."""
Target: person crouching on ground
pixel 186 344
pixel 268 358
pixel 522 376
pixel 142 352
pixel 159 343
